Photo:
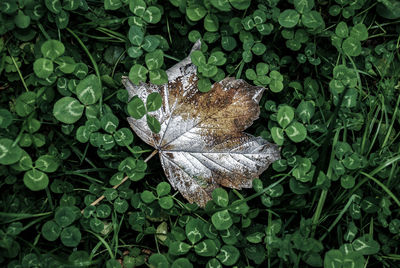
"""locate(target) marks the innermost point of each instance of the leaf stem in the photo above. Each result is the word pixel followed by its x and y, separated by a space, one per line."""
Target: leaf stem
pixel 313 141
pixel 116 63
pixel 18 71
pixel 48 193
pixel 22 130
pixel 98 200
pixel 112 33
pixel 43 31
pixel 151 155
pixel 236 192
pixel 171 57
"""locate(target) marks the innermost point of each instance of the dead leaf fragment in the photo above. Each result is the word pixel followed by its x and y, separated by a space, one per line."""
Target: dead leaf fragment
pixel 201 144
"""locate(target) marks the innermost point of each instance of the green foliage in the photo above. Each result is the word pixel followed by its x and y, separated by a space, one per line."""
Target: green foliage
pixel 331 71
pixel 137 109
pixel 208 68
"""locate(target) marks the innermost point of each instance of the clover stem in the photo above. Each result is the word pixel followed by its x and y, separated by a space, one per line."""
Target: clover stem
pixel 48 193
pixel 19 135
pixel 46 35
pixel 98 200
pixel 171 57
pixel 18 71
pixel 113 34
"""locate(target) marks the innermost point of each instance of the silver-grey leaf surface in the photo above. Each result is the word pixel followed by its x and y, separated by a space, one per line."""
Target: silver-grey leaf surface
pixel 201 144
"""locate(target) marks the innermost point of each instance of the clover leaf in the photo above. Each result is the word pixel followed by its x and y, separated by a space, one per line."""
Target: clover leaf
pixel 221 220
pixel 289 18
pixel 51 230
pixel 293 129
pixel 141 42
pixel 154 61
pixel 228 255
pixel 220 197
pixel 143 13
pixel 208 68
pixel 196 12
pixel 10 153
pixel 68 110
pixel 257 20
pixel 112 4
pixel 109 123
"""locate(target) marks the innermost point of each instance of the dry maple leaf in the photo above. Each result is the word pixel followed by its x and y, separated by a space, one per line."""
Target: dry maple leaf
pixel 201 144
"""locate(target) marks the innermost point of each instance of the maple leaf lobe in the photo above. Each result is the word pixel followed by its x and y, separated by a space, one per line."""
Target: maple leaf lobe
pixel 201 143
